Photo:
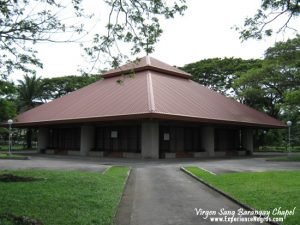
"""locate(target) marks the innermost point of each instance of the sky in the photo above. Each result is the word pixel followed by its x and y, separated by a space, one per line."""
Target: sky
pixel 205 31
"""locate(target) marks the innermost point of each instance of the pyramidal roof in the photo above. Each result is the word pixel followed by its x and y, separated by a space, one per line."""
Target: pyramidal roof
pixel 146 63
pixel 156 90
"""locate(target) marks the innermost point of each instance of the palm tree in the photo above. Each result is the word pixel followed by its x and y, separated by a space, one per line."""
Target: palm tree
pixel 30 92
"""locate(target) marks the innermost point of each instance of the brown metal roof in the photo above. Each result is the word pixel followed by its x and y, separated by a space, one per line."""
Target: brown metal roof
pixel 146 63
pixel 151 93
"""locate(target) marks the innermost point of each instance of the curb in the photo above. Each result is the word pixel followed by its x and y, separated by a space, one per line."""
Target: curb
pixel 226 195
pixel 118 206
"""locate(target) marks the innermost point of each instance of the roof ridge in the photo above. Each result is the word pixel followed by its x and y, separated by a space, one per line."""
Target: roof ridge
pixel 148 60
pixel 151 103
pixel 146 63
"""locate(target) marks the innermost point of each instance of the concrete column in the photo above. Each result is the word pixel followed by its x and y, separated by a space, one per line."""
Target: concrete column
pixel 247 139
pixel 87 139
pixel 150 140
pixel 208 140
pixel 42 139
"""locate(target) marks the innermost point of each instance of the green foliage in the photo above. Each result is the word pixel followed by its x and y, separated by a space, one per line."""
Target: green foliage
pixel 270 85
pixel 260 24
pixel 59 86
pixel 272 137
pixel 7 104
pixel 261 190
pixel 7 109
pixel 275 85
pixel 72 197
pixel 278 149
pixel 29 92
pixel 219 74
pixel 7 89
pixel 33 91
pixel 293 97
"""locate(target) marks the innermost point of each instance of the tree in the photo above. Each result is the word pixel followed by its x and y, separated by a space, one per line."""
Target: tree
pixel 275 85
pixel 270 85
pixel 218 74
pixel 260 24
pixel 56 87
pixel 7 100
pixel 30 92
pixel 135 23
pixel 29 95
pixel 26 22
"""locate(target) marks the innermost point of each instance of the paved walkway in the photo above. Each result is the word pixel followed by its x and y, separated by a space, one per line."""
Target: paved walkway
pixel 217 165
pixel 161 196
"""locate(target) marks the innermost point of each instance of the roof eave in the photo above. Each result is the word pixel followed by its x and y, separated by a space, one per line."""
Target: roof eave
pixel 150 115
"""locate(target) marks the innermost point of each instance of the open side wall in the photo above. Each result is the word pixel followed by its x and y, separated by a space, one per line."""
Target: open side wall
pixel 146 139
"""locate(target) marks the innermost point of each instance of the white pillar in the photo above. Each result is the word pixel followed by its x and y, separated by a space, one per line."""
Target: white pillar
pixel 87 138
pixel 208 140
pixel 247 139
pixel 150 140
pixel 42 139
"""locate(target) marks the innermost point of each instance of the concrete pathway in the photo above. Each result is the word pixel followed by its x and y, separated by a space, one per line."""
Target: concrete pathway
pixel 165 195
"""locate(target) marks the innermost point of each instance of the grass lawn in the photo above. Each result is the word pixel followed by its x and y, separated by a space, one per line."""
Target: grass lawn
pixel 14 148
pixel 64 197
pixel 12 156
pixel 278 149
pixel 259 190
pixel 286 158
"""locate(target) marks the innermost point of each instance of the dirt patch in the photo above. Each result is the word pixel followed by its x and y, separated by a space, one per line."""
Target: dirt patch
pixel 6 177
pixel 12 219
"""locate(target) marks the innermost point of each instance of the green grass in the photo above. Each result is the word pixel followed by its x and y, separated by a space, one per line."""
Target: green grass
pixel 12 156
pixel 259 190
pixel 65 197
pixel 14 148
pixel 278 149
pixel 285 158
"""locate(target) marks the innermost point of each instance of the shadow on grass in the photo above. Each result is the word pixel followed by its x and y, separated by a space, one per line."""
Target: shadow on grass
pixel 6 177
pixel 11 219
